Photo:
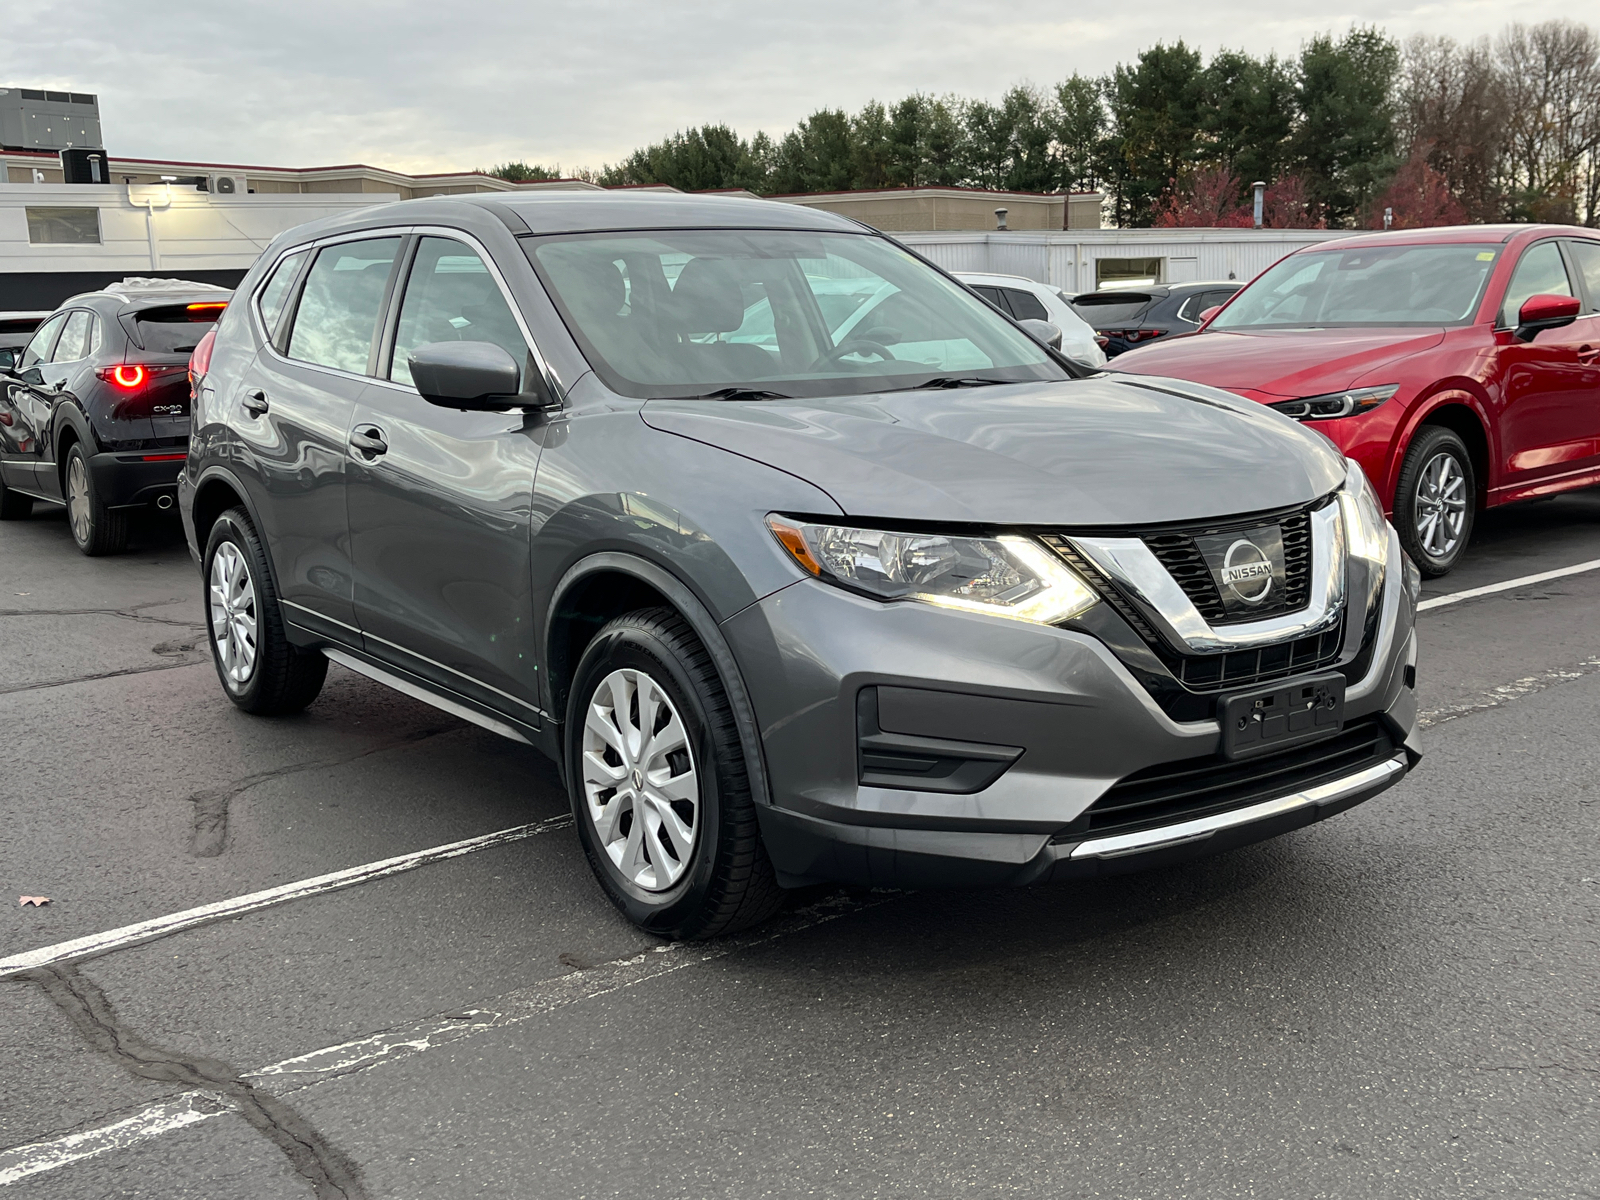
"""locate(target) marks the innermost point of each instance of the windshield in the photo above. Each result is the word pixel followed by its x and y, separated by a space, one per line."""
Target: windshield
pixel 677 313
pixel 1377 285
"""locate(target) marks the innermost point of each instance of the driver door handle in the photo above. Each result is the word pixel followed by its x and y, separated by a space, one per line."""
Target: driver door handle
pixel 254 403
pixel 368 440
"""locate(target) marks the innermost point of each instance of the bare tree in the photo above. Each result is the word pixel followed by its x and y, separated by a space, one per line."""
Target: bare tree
pixel 1452 110
pixel 1551 76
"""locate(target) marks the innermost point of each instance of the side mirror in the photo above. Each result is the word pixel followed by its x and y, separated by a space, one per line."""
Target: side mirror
pixel 1207 313
pixel 1539 313
pixel 477 376
pixel 1043 332
pixel 8 359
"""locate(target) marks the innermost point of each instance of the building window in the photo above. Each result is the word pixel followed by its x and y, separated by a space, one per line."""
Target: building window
pixel 1126 272
pixel 64 226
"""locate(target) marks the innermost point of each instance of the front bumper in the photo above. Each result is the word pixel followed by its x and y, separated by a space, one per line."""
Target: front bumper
pixel 1045 721
pixel 127 479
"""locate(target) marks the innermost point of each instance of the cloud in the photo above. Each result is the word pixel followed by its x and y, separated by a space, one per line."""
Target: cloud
pixel 456 85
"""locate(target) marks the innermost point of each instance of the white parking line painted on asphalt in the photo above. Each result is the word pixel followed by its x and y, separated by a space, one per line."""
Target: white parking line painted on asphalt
pixel 144 931
pixel 1491 588
pixel 392 1045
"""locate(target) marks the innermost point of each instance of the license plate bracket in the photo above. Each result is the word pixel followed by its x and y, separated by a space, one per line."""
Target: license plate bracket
pixel 1285 714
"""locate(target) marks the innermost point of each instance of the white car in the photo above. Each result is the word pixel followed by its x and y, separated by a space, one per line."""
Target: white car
pixel 1029 301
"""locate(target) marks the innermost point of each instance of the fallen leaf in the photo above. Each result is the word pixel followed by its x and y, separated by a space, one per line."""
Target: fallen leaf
pixel 36 901
pixel 22 593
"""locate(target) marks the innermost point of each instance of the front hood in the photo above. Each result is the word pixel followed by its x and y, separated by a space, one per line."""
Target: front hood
pixel 1304 363
pixel 1087 452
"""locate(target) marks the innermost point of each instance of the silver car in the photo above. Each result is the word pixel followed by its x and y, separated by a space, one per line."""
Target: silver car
pixel 802 561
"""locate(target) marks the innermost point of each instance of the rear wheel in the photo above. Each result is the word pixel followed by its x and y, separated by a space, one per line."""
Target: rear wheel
pixel 96 529
pixel 1435 500
pixel 260 669
pixel 14 506
pixel 660 792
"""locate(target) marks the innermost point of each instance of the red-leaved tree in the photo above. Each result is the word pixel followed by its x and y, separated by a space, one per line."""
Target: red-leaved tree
pixel 1211 201
pixel 1418 196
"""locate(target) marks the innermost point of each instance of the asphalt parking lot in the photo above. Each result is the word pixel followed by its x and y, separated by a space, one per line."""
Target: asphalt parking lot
pixel 1401 1001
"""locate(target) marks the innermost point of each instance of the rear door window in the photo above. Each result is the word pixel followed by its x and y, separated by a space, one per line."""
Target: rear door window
pixel 273 297
pixel 38 349
pixel 993 296
pixel 1540 273
pixel 1025 306
pixel 74 343
pixel 337 316
pixel 452 297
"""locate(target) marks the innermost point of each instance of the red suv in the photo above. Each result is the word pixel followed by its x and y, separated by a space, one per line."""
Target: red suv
pixel 1460 367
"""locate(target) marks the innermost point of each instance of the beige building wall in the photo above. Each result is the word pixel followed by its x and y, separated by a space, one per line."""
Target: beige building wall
pixel 939 209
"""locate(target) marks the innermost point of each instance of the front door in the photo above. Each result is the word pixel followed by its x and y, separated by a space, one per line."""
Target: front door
pixel 23 440
pixel 439 499
pixel 1547 419
pixel 292 421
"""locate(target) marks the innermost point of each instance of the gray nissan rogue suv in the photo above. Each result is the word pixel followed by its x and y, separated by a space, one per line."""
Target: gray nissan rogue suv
pixel 802 561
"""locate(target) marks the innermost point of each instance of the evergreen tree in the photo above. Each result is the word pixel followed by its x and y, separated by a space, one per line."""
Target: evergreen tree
pixel 1345 142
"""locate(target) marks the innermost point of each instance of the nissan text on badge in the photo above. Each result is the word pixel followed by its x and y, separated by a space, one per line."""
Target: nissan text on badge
pixel 803 562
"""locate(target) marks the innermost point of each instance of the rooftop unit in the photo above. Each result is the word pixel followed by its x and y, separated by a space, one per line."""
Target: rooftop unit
pixel 32 119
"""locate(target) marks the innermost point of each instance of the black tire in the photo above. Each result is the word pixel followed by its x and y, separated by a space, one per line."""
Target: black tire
pixel 1420 519
pixel 14 506
pixel 96 529
pixel 281 677
pixel 727 882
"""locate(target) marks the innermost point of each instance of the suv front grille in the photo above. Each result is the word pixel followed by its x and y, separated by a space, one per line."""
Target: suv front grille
pixel 1195 787
pixel 1242 668
pixel 1177 552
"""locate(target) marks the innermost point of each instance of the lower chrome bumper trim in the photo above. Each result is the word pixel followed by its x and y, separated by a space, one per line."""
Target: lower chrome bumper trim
pixel 1204 827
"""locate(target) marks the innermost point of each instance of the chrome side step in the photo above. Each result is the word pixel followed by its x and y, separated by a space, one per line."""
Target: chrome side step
pixel 1203 827
pixel 417 692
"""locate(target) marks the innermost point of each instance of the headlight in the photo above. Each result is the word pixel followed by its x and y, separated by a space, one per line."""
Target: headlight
pixel 1366 532
pixel 1335 404
pixel 1004 577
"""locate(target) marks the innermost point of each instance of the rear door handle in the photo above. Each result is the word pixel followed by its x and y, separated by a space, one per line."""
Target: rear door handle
pixel 255 403
pixel 369 441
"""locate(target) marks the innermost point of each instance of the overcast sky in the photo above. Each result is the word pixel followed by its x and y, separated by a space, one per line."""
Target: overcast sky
pixel 460 84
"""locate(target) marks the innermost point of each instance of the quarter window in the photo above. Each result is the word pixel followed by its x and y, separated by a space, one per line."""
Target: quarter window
pixel 1025 306
pixel 74 339
pixel 276 292
pixel 1540 273
pixel 38 350
pixel 451 297
pixel 338 312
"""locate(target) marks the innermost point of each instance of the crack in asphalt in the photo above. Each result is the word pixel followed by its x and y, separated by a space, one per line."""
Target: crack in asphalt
pixel 208 833
pixel 331 1174
pixel 98 675
pixel 131 613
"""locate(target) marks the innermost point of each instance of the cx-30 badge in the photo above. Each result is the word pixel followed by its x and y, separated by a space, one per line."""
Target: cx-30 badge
pixel 1247 571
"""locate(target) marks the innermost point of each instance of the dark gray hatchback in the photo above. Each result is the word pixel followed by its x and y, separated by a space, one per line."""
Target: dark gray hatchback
pixel 803 562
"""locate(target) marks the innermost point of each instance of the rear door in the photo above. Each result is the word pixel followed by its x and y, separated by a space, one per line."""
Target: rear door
pixel 1547 417
pixel 23 440
pixel 292 419
pixel 439 499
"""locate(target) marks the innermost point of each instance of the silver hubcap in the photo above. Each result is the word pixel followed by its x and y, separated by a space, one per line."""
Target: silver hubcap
pixel 233 613
pixel 1441 505
pixel 639 780
pixel 78 500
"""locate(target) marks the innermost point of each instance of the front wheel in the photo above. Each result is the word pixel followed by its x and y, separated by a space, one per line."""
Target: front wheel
pixel 659 788
pixel 1435 500
pixel 260 669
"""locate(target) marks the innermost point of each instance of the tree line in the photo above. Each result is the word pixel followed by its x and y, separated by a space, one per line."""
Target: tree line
pixel 1353 130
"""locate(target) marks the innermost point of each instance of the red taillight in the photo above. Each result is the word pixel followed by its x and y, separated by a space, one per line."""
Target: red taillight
pixel 200 359
pixel 208 306
pixel 129 376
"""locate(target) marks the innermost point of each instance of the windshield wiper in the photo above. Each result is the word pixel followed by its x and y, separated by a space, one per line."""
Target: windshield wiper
pixel 737 393
pixel 949 381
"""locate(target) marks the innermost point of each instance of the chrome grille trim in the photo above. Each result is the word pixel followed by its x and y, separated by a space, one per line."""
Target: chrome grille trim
pixel 1131 565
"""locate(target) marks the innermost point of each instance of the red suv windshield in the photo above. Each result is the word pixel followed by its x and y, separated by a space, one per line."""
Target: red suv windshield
pixel 1375 285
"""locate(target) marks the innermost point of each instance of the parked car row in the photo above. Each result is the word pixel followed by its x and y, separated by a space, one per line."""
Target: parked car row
pixel 806 561
pixel 1127 317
